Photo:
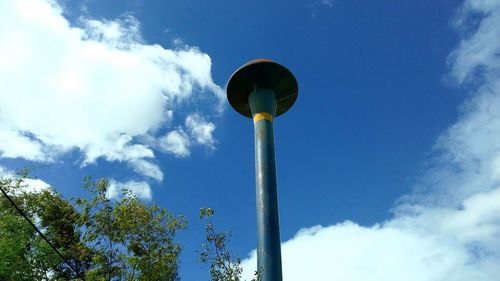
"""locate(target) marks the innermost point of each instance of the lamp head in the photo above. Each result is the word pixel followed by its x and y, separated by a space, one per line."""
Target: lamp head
pixel 264 74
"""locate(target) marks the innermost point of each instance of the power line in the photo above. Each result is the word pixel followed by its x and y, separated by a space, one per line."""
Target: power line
pixel 41 234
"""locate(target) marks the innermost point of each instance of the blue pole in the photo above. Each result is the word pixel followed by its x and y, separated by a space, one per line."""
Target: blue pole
pixel 263 105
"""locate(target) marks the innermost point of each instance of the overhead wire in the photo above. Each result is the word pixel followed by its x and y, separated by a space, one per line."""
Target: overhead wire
pixel 41 233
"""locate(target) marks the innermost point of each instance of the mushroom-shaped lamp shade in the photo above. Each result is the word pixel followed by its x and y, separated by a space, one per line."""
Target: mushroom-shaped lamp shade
pixel 263 74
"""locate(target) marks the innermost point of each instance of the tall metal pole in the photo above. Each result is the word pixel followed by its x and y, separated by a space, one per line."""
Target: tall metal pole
pixel 262 90
pixel 263 107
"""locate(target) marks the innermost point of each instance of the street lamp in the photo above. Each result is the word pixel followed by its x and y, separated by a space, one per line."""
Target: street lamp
pixel 263 89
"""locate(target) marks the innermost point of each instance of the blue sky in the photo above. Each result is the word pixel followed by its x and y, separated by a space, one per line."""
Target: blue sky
pixel 388 163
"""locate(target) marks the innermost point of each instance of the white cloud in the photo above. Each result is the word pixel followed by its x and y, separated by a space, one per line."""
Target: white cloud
pixel 28 184
pixel 147 168
pixel 97 88
pixel 139 189
pixel 436 244
pixel 439 244
pixel 200 130
pixel 19 145
pixel 449 228
pixel 35 185
pixel 176 142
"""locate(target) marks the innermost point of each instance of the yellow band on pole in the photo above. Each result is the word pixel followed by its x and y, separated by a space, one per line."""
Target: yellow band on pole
pixel 262 115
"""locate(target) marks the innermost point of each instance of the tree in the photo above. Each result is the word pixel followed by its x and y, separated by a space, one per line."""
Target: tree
pixel 103 239
pixel 224 266
pixel 131 240
pixel 149 238
pixel 24 255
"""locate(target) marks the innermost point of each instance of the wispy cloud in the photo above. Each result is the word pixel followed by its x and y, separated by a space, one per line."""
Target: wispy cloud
pixel 176 142
pixel 140 189
pixel 328 3
pixel 449 228
pixel 200 130
pixel 96 87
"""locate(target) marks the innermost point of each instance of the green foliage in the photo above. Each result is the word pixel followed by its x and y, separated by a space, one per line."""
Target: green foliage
pixel 131 240
pixel 223 265
pixel 104 239
pixel 24 255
